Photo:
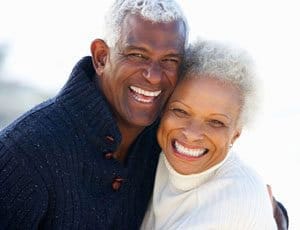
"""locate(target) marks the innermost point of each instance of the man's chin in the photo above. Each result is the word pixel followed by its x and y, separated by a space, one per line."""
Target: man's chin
pixel 142 121
pixel 139 118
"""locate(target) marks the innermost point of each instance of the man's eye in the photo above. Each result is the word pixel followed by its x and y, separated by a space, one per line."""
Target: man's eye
pixel 137 57
pixel 216 123
pixel 170 62
pixel 175 60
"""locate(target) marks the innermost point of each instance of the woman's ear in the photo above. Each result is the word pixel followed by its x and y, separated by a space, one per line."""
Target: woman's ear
pixel 236 135
pixel 99 51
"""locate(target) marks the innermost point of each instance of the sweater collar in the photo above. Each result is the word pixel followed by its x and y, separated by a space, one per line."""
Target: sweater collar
pixel 192 181
pixel 87 107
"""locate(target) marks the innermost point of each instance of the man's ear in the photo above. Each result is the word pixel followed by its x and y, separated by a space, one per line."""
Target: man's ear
pixel 100 51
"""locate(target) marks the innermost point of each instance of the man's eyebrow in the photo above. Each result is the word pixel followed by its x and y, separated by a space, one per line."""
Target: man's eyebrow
pixel 133 47
pixel 173 54
pixel 169 53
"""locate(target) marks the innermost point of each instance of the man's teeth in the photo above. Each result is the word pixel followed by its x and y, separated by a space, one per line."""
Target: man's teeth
pixel 149 100
pixel 189 152
pixel 144 92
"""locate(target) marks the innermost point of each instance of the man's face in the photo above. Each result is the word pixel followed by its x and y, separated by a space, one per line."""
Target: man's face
pixel 141 72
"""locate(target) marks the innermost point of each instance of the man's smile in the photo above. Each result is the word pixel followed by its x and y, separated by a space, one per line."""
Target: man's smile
pixel 144 96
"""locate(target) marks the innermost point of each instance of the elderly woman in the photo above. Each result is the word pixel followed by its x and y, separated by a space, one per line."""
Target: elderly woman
pixel 200 183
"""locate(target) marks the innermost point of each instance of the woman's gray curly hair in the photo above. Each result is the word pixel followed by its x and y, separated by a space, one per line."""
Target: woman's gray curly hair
pixel 153 10
pixel 228 64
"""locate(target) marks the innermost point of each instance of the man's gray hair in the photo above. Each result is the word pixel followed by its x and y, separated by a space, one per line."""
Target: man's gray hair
pixel 229 64
pixel 153 10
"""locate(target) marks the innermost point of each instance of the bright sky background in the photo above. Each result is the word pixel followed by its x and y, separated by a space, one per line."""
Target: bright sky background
pixel 46 38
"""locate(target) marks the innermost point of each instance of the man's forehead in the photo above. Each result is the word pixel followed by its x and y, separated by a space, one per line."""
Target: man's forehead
pixel 135 22
pixel 139 32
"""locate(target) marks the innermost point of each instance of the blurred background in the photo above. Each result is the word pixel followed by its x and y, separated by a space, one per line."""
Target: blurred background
pixel 40 41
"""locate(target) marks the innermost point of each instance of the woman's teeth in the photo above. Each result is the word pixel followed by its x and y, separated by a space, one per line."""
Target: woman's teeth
pixel 188 151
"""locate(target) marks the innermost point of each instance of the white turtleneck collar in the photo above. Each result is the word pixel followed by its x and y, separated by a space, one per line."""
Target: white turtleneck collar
pixel 187 182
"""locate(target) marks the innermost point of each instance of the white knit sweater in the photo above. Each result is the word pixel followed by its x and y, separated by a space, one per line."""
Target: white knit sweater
pixel 228 196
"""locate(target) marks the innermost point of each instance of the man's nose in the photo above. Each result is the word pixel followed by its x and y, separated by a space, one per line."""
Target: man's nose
pixel 153 73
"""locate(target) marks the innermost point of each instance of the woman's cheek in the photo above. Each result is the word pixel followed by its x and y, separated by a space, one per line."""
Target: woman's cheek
pixel 165 128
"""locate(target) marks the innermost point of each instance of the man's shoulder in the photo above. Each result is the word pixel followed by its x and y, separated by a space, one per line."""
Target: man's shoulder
pixel 28 128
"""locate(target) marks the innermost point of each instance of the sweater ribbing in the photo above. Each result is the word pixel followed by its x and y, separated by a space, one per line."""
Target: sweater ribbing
pixel 53 173
pixel 228 196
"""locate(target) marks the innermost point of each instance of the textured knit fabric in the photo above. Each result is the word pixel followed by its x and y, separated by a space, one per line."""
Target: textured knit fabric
pixel 54 169
pixel 228 196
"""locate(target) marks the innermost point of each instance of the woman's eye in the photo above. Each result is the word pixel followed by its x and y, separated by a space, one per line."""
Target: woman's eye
pixel 216 123
pixel 179 112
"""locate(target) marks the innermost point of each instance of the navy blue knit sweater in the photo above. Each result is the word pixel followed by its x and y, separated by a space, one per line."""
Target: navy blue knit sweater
pixel 56 170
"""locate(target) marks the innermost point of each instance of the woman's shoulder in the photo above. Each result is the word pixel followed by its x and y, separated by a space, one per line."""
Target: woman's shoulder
pixel 236 192
pixel 237 185
pixel 239 173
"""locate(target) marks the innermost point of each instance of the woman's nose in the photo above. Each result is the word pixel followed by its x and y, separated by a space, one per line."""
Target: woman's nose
pixel 194 131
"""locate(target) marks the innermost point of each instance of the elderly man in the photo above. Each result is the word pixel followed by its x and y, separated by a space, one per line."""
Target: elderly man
pixel 86 159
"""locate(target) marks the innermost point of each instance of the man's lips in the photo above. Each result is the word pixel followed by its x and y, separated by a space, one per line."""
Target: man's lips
pixel 144 96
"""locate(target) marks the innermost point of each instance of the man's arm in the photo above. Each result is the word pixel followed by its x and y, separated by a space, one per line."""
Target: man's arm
pixel 23 196
pixel 279 211
pixel 281 216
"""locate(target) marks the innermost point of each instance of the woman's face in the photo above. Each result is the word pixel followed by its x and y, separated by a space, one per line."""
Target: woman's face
pixel 199 124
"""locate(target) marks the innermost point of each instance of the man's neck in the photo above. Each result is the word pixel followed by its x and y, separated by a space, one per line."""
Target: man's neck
pixel 129 134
